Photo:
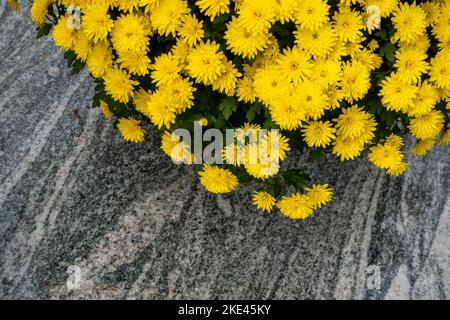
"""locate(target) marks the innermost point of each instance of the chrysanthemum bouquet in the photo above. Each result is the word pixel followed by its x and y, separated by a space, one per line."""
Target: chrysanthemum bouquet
pixel 348 78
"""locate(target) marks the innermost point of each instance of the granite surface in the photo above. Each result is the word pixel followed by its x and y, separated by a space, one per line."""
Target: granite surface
pixel 84 215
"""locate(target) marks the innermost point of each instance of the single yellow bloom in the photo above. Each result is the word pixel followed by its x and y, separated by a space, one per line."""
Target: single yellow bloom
pixel 296 206
pixel 131 130
pixel 14 4
pixel 263 201
pixel 422 147
pixel 319 195
pixel 106 111
pixel 445 139
pixel 217 180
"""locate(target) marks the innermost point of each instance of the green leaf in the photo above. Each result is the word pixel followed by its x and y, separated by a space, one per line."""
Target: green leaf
pixel 274 185
pixel 211 119
pixel 382 34
pixel 388 50
pixel 269 124
pixel 204 100
pixel 241 174
pixel 315 155
pixel 228 106
pixel 44 30
pixel 251 113
pixel 220 123
pixel 77 66
pixel 296 178
pixel 253 110
pixel 99 95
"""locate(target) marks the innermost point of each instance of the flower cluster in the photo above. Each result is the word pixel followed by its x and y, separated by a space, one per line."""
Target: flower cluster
pixel 340 77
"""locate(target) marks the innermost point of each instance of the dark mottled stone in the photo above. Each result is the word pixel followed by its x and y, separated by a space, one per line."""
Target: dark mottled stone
pixel 133 225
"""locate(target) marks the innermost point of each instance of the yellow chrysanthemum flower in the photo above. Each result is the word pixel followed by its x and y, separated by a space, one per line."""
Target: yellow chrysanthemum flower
pixel 160 109
pixel 354 123
pixel 217 180
pixel 257 16
pixel 119 85
pixel 14 4
pixel 410 64
pixel 127 5
pixel 148 4
pixel 227 82
pixel 261 170
pixel 270 85
pixel 351 48
pixel 427 126
pixel 388 156
pixel 319 134
pixel 285 10
pixel 421 147
pixel 337 52
pixel 274 143
pixel 318 43
pixel 82 46
pixel 326 72
pixel 394 141
pixel 203 122
pixel 432 10
pixel 165 69
pixel 180 93
pixel 191 30
pixel 106 111
pixel 244 43
pixel 348 24
pixel 311 99
pixel 140 99
pixel 396 95
pixel 63 35
pixel 167 17
pixel 247 130
pixel 367 58
pixel 180 52
pixel 355 81
pixel 99 59
pixel 295 65
pixel 130 34
pixel 311 14
pixel 319 195
pixel 213 8
pixel 235 154
pixel 387 7
pixel 131 130
pixel 97 23
pixel 334 95
pixel 287 112
pixel 422 44
pixel 373 45
pixel 245 90
pixel 263 201
pixel 178 151
pixel 385 156
pixel 206 62
pixel 347 148
pixel 445 139
pixel 39 11
pixel 135 62
pixel 440 69
pixel 441 29
pixel 398 169
pixel 296 206
pixel 410 22
pixel 424 101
